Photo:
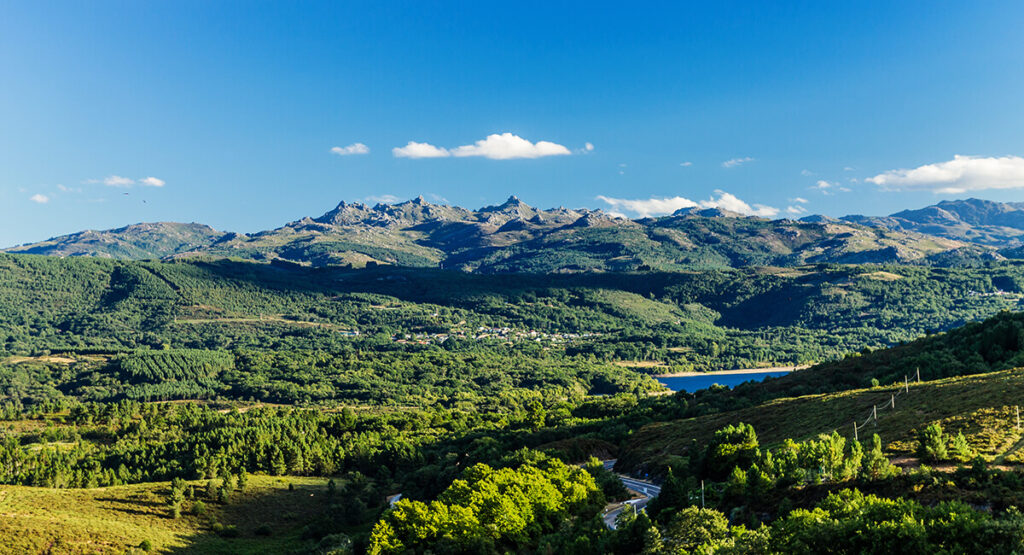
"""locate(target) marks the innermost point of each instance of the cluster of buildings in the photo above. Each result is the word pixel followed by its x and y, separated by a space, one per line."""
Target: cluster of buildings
pixel 508 335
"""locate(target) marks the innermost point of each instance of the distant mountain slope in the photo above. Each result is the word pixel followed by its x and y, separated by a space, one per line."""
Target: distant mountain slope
pixel 516 237
pixel 138 241
pixel 999 224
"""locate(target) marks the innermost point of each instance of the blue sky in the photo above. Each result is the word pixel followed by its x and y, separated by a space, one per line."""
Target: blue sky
pixel 226 113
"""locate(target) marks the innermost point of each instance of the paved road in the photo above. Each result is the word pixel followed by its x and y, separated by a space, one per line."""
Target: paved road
pixel 642 487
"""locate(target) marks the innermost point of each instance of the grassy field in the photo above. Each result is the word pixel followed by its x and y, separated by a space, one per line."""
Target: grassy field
pixel 981 406
pixel 119 519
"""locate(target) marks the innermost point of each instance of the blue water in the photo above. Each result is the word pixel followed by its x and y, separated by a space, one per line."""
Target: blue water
pixel 690 384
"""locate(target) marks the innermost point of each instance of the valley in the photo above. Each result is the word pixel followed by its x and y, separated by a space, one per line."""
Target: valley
pixel 361 383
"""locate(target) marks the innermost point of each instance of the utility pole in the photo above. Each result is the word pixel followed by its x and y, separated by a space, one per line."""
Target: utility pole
pixel 855 438
pixel 906 385
pixel 918 374
pixel 874 414
pixel 893 401
pixel 702 494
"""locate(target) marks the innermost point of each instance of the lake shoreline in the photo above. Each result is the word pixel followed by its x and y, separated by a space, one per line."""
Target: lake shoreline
pixel 731 372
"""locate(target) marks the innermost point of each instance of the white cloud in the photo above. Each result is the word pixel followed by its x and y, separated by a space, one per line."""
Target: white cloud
pixel 508 146
pixel 152 182
pixel 801 200
pixel 806 173
pixel 686 164
pixel 40 199
pixel 848 168
pixel 729 202
pixel 959 175
pixel 420 150
pixel 648 207
pixel 118 181
pixel 387 199
pixel 736 162
pixel 354 148
pixel 66 189
pixel 644 208
pixel 588 147
pixel 795 210
pixel 505 146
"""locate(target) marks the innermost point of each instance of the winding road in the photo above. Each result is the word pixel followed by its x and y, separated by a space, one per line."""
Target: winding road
pixel 647 491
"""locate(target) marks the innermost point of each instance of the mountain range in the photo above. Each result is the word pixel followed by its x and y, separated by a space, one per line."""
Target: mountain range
pixel 516 237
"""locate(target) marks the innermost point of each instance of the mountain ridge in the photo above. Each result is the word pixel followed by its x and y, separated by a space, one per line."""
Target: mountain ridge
pixel 516 237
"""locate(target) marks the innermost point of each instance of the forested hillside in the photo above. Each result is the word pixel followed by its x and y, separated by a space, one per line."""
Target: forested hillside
pixel 489 468
pixel 285 334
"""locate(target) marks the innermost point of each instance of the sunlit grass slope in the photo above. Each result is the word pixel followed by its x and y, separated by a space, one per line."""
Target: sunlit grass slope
pixel 119 519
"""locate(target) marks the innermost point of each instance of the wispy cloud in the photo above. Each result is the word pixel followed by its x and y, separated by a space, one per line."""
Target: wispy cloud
pixel 504 146
pixel 118 181
pixel 801 200
pixel 806 173
pixel 959 175
pixel 39 199
pixel 354 148
pixel 686 164
pixel 387 199
pixel 736 162
pixel 829 187
pixel 644 208
pixel 121 181
pixel 796 210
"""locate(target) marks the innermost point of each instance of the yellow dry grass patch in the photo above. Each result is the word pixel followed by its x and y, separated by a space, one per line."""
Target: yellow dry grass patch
pixel 882 276
pixel 45 358
pixel 118 519
pixel 640 364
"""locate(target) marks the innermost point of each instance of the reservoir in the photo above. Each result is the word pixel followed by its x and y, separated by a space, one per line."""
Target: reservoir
pixel 693 382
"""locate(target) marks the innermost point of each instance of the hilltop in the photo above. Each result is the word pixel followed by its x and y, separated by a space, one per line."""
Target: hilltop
pixel 999 224
pixel 514 237
pixel 137 241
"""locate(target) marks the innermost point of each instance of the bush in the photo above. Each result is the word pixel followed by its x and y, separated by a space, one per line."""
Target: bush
pixel 146 546
pixel 263 530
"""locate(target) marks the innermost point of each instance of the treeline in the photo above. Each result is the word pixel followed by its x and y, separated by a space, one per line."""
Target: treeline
pixel 303 377
pixel 705 320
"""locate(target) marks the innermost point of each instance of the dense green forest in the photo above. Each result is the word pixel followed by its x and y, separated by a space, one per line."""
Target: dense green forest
pixel 699 320
pixel 486 401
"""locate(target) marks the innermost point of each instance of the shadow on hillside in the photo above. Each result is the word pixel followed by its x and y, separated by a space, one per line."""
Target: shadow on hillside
pixel 421 284
pixel 262 520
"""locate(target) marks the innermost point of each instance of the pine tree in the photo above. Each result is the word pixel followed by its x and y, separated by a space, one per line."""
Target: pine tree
pixel 931 444
pixel 876 465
